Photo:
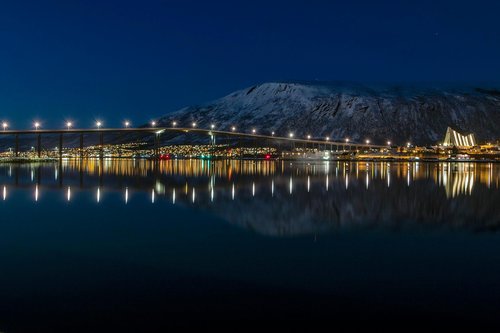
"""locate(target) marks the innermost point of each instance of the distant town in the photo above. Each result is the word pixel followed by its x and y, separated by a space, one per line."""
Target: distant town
pixel 455 146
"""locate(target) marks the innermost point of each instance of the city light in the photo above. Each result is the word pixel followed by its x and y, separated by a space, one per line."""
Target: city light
pixel 367 142
pixel 327 138
pixel 5 125
pixel 127 124
pixel 346 140
pixel 98 124
pixel 388 143
pixel 272 133
pixel 408 144
pixel 290 135
pixel 193 124
pixel 174 123
pixel 309 137
pixel 69 124
pixel 37 125
pixel 233 128
pixel 153 123
pixel 254 130
pixel 212 126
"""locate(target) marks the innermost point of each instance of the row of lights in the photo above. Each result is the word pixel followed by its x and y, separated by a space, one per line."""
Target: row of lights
pixel 98 124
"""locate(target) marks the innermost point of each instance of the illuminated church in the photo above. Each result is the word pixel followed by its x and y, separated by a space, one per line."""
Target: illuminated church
pixel 455 139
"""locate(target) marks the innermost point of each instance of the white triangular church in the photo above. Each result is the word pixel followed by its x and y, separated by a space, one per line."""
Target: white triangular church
pixel 455 139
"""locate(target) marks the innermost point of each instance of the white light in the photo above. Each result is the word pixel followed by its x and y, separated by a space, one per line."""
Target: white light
pixel 212 126
pixel 69 124
pixel 153 196
pixel 153 123
pixel 346 140
pixel 290 135
pixel 174 123
pixel 69 193
pixel 127 124
pixel 193 124
pixel 4 194
pixel 5 125
pixel 309 137
pixel 98 124
pixel 233 128
pixel 98 196
pixel 388 143
pixel 272 133
pixel 327 138
pixel 37 124
pixel 367 142
pixel 254 130
pixel 126 195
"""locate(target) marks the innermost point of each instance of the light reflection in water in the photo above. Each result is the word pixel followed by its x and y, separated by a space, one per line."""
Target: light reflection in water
pixel 225 178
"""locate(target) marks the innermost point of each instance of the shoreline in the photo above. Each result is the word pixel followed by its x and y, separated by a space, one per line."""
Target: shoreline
pixel 29 160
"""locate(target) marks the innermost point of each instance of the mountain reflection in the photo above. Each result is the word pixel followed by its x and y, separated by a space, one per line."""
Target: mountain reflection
pixel 283 197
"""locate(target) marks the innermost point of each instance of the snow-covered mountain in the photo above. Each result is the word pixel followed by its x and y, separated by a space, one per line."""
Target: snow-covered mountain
pixel 419 114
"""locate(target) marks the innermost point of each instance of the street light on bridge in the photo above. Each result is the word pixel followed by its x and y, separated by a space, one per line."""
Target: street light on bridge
pixel 367 142
pixel 327 138
pixel 212 126
pixel 98 124
pixel 37 125
pixel 5 125
pixel 346 140
pixel 290 135
pixel 254 130
pixel 193 124
pixel 272 133
pixel 153 123
pixel 69 124
pixel 308 137
pixel 127 123
pixel 389 143
pixel 233 128
pixel 174 123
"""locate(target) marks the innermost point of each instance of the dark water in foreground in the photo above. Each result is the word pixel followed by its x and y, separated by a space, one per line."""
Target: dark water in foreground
pixel 134 245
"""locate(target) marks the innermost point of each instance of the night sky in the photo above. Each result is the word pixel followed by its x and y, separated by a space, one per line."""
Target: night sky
pixel 116 60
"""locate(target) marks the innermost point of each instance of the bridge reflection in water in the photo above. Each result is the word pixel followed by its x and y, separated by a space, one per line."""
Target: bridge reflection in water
pixel 283 197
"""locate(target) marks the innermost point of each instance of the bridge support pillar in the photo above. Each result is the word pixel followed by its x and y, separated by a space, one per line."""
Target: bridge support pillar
pixel 39 145
pixel 16 149
pixel 60 145
pixel 81 145
pixel 156 149
pixel 101 145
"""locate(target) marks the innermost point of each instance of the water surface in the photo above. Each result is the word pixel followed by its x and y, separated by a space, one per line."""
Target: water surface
pixel 121 244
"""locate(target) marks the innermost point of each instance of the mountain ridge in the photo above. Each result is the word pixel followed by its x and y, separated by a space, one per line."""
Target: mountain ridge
pixel 339 110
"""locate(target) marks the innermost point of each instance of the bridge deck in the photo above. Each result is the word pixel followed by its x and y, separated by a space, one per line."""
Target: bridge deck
pixel 159 130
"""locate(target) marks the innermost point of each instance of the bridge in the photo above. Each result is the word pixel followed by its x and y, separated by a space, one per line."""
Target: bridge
pixel 158 131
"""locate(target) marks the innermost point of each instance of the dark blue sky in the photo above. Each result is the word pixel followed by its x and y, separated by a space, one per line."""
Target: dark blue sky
pixel 140 59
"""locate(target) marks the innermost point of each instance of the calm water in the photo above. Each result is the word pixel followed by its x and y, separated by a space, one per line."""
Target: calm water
pixel 139 245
